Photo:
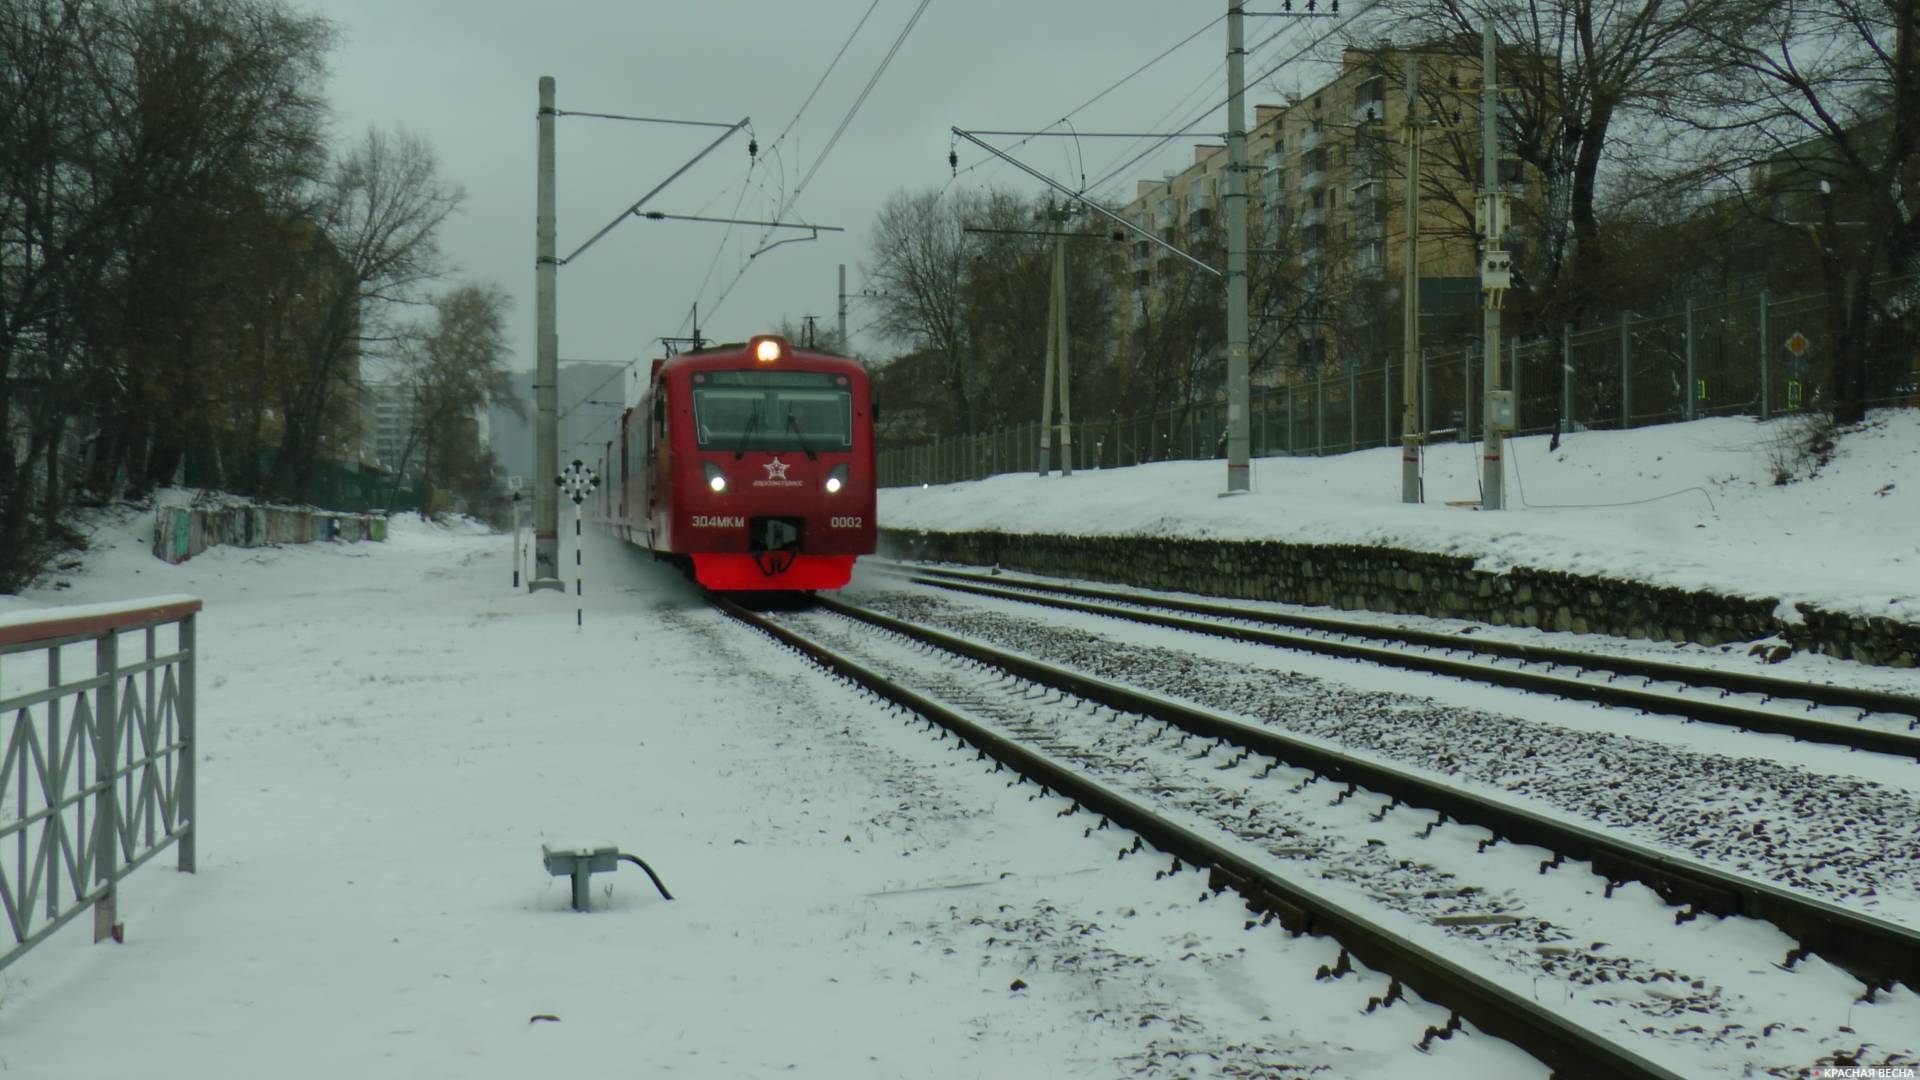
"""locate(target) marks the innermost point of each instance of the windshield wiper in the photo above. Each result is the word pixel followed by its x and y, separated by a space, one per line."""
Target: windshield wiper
pixel 794 423
pixel 753 424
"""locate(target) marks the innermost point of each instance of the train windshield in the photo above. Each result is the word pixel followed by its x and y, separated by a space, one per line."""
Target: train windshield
pixel 772 410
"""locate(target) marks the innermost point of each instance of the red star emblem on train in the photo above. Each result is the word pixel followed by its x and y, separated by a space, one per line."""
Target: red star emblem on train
pixel 776 469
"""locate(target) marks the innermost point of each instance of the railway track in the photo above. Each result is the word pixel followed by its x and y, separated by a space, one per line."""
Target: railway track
pixel 1877 952
pixel 1589 676
pixel 1568 1048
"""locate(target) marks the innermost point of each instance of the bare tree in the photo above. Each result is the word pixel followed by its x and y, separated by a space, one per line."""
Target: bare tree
pixel 1570 71
pixel 1815 123
pixel 920 265
pixel 451 370
pixel 380 216
pixel 133 134
pixel 217 115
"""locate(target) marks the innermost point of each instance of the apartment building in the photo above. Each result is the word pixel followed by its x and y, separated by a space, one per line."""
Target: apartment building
pixel 1325 214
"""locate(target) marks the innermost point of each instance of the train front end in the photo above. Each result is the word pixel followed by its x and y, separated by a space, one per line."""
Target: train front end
pixel 776 489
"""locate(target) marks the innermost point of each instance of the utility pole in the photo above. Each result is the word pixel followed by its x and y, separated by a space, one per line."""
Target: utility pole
pixel 546 510
pixel 846 347
pixel 1410 433
pixel 1057 353
pixel 1046 379
pixel 1495 275
pixel 1238 450
pixel 1060 346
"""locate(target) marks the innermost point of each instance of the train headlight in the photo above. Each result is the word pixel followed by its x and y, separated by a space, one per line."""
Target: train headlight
pixel 767 349
pixel 837 479
pixel 716 479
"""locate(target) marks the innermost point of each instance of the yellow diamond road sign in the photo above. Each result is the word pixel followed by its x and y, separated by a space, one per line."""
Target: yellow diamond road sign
pixel 1797 344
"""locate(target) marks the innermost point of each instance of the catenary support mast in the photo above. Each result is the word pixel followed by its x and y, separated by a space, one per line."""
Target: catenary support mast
pixel 546 472
pixel 1238 449
pixel 1410 433
pixel 1495 275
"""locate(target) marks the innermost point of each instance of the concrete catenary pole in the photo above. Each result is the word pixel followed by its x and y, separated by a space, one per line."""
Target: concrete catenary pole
pixel 1046 379
pixel 1060 349
pixel 546 451
pixel 1410 433
pixel 845 347
pixel 1492 276
pixel 1238 450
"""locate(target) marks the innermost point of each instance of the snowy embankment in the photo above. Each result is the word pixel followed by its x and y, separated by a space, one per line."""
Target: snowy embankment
pixel 389 733
pixel 1692 506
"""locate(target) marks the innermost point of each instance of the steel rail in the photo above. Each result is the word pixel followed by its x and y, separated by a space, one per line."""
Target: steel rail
pixel 1570 1049
pixel 1713 712
pixel 1876 951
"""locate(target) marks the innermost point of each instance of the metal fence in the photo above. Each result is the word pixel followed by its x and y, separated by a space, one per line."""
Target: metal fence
pixel 1755 355
pixel 97 775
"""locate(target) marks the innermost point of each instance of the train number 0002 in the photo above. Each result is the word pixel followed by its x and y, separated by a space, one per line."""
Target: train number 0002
pixel 845 522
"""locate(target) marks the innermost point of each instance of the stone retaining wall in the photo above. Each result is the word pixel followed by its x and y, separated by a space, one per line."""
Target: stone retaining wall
pixel 1357 577
pixel 180 532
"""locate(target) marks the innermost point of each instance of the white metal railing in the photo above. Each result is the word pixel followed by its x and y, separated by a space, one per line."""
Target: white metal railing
pixel 96 769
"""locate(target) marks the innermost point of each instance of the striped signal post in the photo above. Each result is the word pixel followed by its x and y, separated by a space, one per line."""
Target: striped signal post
pixel 576 482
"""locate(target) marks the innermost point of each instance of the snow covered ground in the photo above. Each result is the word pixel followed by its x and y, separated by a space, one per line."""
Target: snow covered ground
pixel 1689 505
pixel 390 732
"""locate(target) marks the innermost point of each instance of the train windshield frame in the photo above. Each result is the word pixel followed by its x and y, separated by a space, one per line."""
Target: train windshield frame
pixel 773 411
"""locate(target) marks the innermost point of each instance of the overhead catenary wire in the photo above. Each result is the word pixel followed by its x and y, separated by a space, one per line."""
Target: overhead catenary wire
pixel 657 188
pixel 1077 109
pixel 787 203
pixel 1315 42
pixel 773 152
pixel 872 82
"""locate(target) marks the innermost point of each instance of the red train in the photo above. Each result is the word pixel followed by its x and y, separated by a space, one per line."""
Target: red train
pixel 750 464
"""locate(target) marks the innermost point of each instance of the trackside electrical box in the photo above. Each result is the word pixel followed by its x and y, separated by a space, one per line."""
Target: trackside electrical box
pixel 1501 404
pixel 578 861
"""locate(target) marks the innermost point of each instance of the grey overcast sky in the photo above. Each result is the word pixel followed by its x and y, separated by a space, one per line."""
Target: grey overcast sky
pixel 464 74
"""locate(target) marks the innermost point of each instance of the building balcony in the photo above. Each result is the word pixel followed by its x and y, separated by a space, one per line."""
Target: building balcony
pixel 1200 220
pixel 1313 215
pixel 1369 229
pixel 1313 180
pixel 1311 140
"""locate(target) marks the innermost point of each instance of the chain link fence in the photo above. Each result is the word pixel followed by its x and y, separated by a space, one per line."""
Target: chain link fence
pixel 1755 355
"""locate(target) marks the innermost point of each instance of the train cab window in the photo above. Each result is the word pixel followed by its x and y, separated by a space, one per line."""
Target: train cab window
pixel 775 411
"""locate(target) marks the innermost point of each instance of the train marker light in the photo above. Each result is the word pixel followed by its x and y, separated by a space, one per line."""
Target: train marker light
pixel 716 479
pixel 837 479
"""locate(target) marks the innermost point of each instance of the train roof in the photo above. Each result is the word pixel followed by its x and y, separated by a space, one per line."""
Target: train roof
pixel 722 356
